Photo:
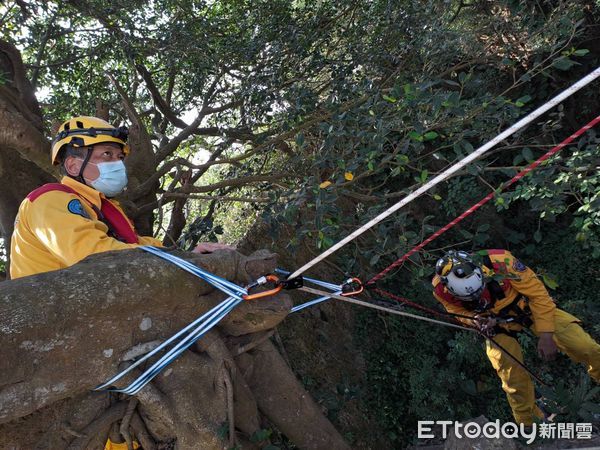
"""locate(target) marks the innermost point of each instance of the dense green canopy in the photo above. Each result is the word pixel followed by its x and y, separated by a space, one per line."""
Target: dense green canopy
pixel 314 116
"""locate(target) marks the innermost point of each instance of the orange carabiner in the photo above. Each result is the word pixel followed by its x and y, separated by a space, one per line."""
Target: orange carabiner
pixel 352 283
pixel 264 280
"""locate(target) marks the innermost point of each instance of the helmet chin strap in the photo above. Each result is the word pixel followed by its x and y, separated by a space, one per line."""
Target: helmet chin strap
pixel 79 177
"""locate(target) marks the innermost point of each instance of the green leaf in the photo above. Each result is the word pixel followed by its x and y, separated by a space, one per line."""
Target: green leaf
pixel 223 430
pixel 415 136
pixel 581 52
pixel 592 393
pixel 549 281
pixel 563 63
pixel 389 99
pixel 465 233
pixel 467 146
pixel 437 197
pixel 327 242
pixel 402 159
pixel 518 159
pixel 527 154
pixel 473 169
pixel 537 236
pixel 430 135
pixel 521 101
pixel 423 176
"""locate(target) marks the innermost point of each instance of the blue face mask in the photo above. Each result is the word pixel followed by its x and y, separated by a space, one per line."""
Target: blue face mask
pixel 112 179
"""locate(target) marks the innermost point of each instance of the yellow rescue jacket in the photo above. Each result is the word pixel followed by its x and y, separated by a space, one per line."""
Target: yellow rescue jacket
pixel 60 224
pixel 515 279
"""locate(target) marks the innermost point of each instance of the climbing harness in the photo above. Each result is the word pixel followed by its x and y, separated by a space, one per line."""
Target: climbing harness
pixel 489 337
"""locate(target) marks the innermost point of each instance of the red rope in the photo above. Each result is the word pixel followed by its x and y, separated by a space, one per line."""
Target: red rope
pixel 486 199
pixel 409 303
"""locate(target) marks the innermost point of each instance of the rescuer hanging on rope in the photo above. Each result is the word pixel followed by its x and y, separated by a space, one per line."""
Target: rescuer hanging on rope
pixel 505 296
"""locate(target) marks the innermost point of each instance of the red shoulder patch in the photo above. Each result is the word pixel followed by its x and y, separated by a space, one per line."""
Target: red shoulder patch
pixel 500 267
pixel 441 292
pixel 33 195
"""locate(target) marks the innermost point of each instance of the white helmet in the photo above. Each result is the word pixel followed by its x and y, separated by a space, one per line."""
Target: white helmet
pixel 461 276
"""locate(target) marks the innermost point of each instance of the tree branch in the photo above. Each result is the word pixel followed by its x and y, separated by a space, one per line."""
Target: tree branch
pixel 236 182
pixel 26 139
pixel 161 104
pixel 42 49
pixel 111 415
pixel 174 143
pixel 201 168
pixel 126 421
pixel 221 198
pixel 19 86
pixel 127 103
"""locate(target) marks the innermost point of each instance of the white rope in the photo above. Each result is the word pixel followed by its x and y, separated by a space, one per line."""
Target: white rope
pixel 382 308
pixel 455 168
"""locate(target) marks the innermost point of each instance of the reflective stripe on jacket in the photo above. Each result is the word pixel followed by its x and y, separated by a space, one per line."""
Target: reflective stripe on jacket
pixel 56 228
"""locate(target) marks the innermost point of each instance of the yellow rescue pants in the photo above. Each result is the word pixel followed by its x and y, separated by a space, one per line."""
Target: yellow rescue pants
pixel 116 446
pixel 570 339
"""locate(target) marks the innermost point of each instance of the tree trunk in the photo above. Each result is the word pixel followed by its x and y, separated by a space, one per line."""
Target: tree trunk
pixel 59 345
pixel 24 151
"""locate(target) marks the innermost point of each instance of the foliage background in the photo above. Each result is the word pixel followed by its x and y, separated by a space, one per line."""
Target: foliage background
pixel 329 112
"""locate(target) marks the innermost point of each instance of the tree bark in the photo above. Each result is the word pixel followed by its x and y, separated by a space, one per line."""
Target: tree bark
pixel 24 151
pixel 285 400
pixel 20 113
pixel 55 347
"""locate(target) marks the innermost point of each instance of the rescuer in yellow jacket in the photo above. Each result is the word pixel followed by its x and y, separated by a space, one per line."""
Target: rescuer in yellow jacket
pixel 59 224
pixel 493 286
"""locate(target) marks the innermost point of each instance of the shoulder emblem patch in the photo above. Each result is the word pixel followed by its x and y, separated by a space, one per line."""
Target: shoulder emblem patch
pixel 76 207
pixel 519 266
